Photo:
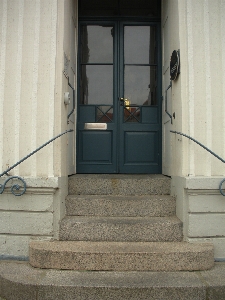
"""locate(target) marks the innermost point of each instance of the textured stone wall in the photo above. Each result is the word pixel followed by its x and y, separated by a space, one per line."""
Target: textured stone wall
pixel 28 56
pixel 197 96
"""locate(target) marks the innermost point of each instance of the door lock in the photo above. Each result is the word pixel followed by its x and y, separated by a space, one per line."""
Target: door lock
pixel 124 102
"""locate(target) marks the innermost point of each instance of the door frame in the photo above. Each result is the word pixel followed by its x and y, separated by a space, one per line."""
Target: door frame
pixel 119 22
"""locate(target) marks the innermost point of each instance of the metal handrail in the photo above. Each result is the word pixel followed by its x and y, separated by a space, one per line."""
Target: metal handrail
pixel 169 86
pixel 73 98
pixel 17 187
pixel 207 149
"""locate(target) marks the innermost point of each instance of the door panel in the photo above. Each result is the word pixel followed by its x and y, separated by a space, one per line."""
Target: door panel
pixel 119 86
pixel 139 117
pixel 140 143
pixel 101 146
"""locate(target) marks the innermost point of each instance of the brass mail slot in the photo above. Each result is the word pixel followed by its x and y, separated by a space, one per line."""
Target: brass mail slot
pixel 95 126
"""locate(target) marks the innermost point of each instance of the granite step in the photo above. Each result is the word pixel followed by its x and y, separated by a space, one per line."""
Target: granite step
pixel 116 184
pixel 124 206
pixel 20 281
pixel 121 229
pixel 121 256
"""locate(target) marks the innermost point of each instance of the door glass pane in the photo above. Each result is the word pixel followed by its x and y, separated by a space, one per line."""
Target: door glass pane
pixel 104 114
pixel 139 45
pixel 96 44
pixel 96 84
pixel 131 114
pixel 140 85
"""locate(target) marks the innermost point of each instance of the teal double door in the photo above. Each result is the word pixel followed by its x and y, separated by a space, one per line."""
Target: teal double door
pixel 119 88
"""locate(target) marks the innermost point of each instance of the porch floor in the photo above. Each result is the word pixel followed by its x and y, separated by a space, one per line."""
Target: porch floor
pixel 28 283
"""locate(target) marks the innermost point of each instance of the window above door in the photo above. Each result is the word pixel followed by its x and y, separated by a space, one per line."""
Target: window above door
pixel 144 8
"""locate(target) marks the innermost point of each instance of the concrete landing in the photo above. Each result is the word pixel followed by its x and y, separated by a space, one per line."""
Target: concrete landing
pixel 119 184
pixel 19 281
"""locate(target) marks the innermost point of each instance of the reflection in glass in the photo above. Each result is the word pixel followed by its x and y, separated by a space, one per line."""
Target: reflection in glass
pixel 96 84
pixel 96 44
pixel 139 45
pixel 132 114
pixel 104 114
pixel 140 85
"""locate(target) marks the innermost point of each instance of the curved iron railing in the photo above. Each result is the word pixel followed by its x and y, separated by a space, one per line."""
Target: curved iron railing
pixel 166 110
pixel 207 149
pixel 15 189
pixel 73 99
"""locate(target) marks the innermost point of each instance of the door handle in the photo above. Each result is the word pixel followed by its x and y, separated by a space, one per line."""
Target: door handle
pixel 123 99
pixel 124 102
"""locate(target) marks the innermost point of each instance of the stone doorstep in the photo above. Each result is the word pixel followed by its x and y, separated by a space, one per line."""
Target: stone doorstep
pixel 119 184
pixel 121 256
pixel 20 281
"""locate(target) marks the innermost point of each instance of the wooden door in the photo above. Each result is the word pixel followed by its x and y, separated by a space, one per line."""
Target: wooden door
pixel 119 113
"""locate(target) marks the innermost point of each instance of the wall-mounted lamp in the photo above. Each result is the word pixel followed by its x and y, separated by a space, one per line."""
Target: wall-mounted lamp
pixel 175 64
pixel 67 98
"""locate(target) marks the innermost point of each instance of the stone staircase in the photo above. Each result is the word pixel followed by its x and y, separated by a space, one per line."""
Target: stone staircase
pixel 120 223
pixel 120 239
